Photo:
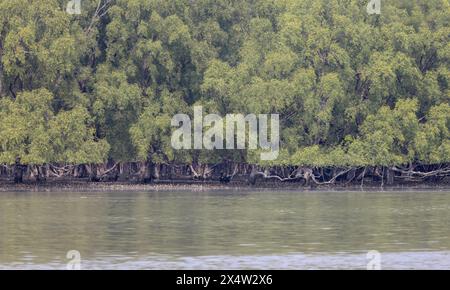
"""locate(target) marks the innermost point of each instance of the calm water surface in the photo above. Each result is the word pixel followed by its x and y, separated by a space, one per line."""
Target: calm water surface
pixel 225 230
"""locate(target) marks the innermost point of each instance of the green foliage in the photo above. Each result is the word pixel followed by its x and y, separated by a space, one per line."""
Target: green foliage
pixel 432 141
pixel 350 88
pixel 72 138
pixel 31 131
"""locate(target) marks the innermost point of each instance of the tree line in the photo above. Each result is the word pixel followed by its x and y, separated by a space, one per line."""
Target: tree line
pixel 355 92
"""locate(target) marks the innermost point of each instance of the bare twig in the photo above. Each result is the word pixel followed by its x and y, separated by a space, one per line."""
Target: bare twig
pixel 100 11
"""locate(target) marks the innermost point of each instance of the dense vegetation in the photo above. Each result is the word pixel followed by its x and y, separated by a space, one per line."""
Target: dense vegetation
pixel 353 90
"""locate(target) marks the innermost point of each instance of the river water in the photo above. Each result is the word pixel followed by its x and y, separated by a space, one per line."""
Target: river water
pixel 226 230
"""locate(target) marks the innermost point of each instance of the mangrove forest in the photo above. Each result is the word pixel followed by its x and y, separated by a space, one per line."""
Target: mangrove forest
pixel 90 95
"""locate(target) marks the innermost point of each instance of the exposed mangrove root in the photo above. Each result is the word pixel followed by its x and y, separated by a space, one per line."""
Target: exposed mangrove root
pixel 224 172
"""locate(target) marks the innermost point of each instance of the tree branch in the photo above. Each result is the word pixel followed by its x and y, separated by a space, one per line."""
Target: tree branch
pixel 100 11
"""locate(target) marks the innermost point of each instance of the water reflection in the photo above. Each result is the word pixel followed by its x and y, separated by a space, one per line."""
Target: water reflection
pixel 186 230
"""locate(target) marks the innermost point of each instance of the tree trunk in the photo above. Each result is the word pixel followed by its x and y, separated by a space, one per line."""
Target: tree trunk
pixel 18 171
pixel 1 71
pixel 39 173
pixel 144 172
pixel 47 171
pixel 1 77
pixel 389 176
pixel 94 174
pixel 363 176
pixel 123 176
pixel 76 171
pixel 156 171
pixel 253 176
pixel 351 175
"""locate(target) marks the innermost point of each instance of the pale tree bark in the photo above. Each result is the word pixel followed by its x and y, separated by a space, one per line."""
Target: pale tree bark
pixel 1 76
pixel 100 11
pixel 1 69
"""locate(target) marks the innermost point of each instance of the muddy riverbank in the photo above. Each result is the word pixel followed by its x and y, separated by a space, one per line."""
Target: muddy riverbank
pixel 191 185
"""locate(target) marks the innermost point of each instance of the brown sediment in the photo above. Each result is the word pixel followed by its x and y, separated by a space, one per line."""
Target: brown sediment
pixel 199 186
pixel 107 186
